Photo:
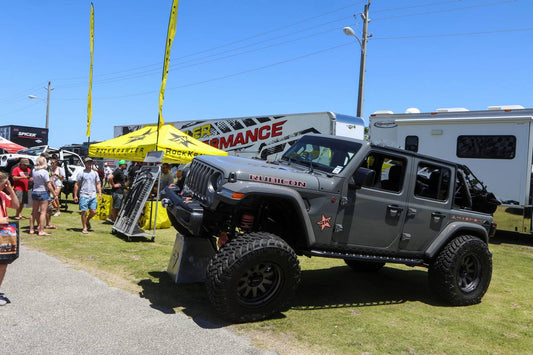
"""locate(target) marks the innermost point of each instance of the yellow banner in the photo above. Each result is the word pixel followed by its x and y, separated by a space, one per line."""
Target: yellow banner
pixel 90 98
pixel 171 32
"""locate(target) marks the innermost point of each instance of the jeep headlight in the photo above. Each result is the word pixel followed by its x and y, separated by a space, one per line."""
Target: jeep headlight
pixel 213 186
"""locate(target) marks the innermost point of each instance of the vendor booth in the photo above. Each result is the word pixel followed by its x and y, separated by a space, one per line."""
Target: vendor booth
pixel 152 146
pixel 179 148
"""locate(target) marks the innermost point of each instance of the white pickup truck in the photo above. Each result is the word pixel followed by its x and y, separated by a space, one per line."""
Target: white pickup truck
pixel 70 161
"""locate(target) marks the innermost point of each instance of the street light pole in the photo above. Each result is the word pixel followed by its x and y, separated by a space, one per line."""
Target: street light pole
pixel 362 42
pixel 48 89
pixel 47 105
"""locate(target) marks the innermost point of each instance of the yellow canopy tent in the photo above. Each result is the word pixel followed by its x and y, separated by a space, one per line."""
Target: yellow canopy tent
pixel 179 148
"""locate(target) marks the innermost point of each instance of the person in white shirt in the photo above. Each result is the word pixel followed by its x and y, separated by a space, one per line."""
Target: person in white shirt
pixel 88 184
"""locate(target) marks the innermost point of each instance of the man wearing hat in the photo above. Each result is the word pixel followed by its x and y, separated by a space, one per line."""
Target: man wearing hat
pixel 117 180
pixel 88 184
pixel 21 177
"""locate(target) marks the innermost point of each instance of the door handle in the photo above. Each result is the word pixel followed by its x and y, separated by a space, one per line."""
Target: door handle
pixel 437 216
pixel 344 201
pixel 411 212
pixel 394 210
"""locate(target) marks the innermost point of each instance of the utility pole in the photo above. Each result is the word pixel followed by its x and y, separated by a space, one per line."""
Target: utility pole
pixel 48 105
pixel 48 89
pixel 365 37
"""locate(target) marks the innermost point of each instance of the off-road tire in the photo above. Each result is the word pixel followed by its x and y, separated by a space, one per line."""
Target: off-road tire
pixel 252 277
pixel 364 266
pixel 462 271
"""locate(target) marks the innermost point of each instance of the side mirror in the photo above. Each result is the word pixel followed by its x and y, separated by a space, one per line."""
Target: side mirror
pixel 363 177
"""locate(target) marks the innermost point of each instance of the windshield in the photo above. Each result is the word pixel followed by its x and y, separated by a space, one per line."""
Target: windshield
pixel 32 151
pixel 322 153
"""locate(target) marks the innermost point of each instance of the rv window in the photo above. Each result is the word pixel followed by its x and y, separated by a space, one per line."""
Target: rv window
pixel 486 147
pixel 411 143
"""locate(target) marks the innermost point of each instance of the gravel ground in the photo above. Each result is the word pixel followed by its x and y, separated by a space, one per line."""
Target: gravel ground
pixel 56 309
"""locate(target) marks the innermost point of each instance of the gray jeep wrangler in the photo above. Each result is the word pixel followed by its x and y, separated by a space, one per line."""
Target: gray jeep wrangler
pixel 333 197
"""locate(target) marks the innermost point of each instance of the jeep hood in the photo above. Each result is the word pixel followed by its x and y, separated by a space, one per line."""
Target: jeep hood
pixel 295 175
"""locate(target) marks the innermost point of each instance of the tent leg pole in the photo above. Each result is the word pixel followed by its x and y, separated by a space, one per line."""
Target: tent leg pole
pixel 157 199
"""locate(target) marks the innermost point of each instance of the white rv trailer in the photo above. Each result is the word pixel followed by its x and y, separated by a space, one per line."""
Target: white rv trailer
pixel 264 137
pixel 496 144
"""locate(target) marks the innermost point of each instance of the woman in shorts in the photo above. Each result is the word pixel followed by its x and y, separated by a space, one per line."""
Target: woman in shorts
pixel 42 190
pixel 58 174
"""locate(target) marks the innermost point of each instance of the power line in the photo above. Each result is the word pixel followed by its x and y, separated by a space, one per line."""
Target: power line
pixel 156 67
pixel 263 67
pixel 304 56
pixel 150 69
pixel 232 42
pixel 18 110
pixel 22 94
pixel 444 10
pixel 213 57
pixel 416 6
pixel 179 65
pixel 455 34
pixel 228 75
pixel 193 63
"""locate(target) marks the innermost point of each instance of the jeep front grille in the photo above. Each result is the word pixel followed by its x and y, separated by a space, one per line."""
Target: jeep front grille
pixel 197 179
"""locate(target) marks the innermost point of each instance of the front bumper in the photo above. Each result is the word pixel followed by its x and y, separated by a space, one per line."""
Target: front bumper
pixel 186 212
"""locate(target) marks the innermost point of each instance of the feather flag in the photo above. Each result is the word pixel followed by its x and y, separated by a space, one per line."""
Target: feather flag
pixel 90 98
pixel 171 32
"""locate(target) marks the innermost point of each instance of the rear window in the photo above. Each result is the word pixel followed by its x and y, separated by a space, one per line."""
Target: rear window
pixel 432 181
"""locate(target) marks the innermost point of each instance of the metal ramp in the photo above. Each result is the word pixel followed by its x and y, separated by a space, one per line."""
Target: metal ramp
pixel 132 208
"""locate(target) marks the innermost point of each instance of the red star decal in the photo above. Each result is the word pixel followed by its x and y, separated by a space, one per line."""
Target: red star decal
pixel 324 222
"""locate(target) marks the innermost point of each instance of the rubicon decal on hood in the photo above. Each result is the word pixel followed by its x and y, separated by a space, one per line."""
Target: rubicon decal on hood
pixel 279 181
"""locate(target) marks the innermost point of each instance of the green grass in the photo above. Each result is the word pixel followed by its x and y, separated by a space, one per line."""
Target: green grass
pixel 335 310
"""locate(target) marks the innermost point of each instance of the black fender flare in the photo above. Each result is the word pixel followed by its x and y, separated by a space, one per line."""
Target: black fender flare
pixel 451 231
pixel 250 189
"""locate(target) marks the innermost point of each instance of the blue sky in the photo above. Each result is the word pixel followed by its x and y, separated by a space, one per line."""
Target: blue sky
pixel 239 58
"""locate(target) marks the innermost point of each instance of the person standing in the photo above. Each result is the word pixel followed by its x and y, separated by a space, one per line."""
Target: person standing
pixel 8 199
pixel 58 174
pixel 50 207
pixel 42 191
pixel 108 170
pixel 132 173
pixel 117 180
pixel 167 179
pixel 88 184
pixel 21 178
